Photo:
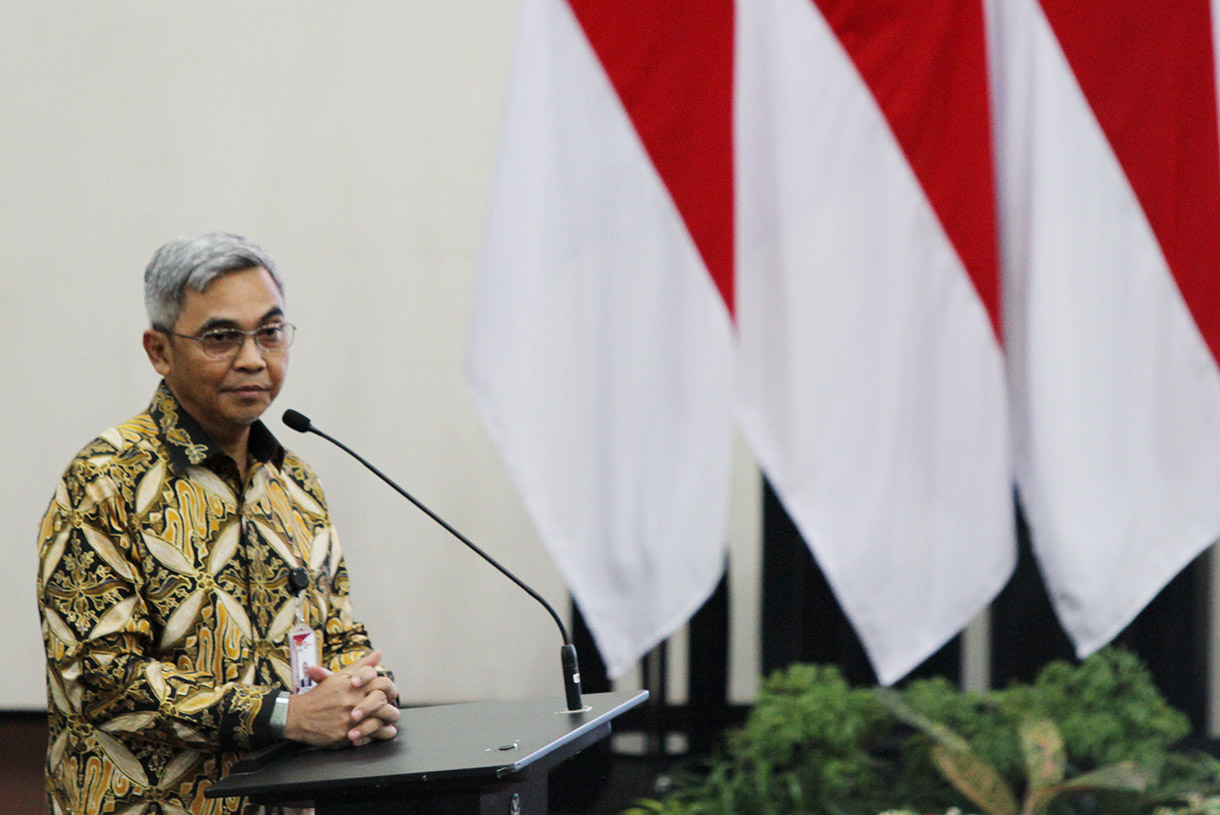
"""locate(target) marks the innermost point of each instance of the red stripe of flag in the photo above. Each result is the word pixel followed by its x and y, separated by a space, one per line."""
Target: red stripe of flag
pixel 671 64
pixel 1147 70
pixel 926 65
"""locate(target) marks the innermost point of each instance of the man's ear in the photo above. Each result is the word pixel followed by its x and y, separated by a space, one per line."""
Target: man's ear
pixel 156 345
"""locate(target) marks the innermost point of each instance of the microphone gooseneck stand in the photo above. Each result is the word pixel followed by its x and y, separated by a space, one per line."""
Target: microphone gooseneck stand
pixel 571 667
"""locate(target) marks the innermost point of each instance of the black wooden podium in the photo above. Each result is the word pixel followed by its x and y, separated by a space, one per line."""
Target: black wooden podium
pixel 480 758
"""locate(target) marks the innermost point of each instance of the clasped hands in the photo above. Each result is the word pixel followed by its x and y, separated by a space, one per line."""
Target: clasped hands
pixel 352 706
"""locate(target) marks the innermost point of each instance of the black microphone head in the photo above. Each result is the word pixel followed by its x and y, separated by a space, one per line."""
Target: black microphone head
pixel 297 421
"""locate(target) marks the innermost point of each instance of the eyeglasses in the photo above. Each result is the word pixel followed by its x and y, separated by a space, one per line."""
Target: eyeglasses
pixel 226 343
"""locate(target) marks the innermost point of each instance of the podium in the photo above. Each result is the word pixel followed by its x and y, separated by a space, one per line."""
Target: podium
pixel 478 758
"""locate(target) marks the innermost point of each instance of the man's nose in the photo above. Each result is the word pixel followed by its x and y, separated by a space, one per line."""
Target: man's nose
pixel 249 355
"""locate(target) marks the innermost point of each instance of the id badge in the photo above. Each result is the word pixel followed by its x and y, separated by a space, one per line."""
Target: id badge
pixel 303 647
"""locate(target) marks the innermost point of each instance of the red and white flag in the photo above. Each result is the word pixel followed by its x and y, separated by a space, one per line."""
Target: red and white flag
pixel 1110 201
pixel 871 374
pixel 600 351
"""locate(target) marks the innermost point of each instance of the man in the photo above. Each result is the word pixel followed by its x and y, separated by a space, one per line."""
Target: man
pixel 188 564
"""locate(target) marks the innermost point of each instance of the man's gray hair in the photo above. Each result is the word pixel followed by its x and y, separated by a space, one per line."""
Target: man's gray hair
pixel 194 262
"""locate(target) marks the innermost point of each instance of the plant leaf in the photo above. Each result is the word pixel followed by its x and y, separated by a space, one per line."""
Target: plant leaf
pixel 908 715
pixel 1125 776
pixel 976 779
pixel 1043 751
pixel 973 777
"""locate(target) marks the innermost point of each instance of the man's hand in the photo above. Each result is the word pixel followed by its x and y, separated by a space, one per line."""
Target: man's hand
pixel 355 706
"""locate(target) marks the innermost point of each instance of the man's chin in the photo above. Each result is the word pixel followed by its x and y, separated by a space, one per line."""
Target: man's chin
pixel 248 411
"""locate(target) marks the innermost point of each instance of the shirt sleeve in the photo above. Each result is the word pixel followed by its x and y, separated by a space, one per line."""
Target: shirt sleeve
pixel 346 640
pixel 102 660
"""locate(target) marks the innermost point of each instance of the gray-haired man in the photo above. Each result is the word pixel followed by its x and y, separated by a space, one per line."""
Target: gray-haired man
pixel 193 594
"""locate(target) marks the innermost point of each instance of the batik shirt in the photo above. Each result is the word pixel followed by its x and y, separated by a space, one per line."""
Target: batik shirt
pixel 165 605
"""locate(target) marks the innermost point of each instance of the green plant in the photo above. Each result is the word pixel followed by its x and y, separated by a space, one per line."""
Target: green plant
pixel 807 746
pixel 812 744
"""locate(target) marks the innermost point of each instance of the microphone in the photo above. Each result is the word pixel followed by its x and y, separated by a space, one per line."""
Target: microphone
pixel 571 668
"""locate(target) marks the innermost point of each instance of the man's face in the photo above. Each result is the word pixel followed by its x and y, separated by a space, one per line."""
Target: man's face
pixel 225 396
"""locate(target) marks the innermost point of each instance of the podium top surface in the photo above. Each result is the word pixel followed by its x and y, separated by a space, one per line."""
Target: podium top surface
pixel 467 743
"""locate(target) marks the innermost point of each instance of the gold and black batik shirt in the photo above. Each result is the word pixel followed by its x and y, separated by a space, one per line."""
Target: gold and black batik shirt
pixel 165 607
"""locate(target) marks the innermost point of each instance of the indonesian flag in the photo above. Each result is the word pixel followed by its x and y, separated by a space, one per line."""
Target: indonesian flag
pixel 776 210
pixel 871 373
pixel 1110 201
pixel 600 344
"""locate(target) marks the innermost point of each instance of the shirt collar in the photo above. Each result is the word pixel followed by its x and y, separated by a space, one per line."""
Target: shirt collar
pixel 189 444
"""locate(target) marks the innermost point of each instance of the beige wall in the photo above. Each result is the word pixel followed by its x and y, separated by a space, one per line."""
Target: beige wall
pixel 356 141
